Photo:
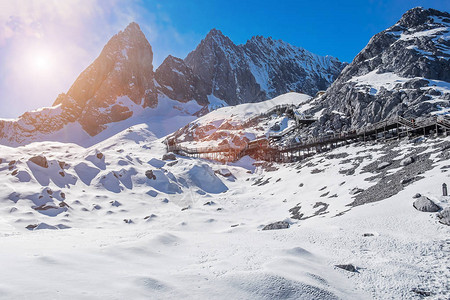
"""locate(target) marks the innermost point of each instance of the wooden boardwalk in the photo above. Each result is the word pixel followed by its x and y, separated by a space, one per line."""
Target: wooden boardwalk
pixel 264 148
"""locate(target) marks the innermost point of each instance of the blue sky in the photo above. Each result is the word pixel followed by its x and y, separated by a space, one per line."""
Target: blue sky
pixel 337 28
pixel 46 44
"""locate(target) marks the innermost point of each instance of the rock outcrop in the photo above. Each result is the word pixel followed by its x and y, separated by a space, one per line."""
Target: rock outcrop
pixel 123 73
pixel 219 72
pixel 118 81
pixel 403 70
pixel 426 205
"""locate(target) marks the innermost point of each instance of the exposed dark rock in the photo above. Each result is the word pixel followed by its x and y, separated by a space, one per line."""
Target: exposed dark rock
pixel 277 225
pixel 150 175
pixel 169 156
pixel 349 267
pixel 399 51
pixel 295 212
pixel 383 165
pixel 31 226
pixel 421 292
pixel 356 190
pixel 406 161
pixel 63 204
pixel 62 164
pixel 426 205
pixel 444 216
pixel 406 180
pixel 123 69
pixel 418 195
pixel 322 210
pixel 232 72
pixel 172 163
pixel 45 207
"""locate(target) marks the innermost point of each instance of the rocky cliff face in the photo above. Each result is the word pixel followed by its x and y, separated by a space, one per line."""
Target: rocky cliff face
pixel 120 78
pixel 123 71
pixel 403 70
pixel 256 71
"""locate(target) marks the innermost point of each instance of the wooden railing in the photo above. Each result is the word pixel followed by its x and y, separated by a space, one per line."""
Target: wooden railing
pixel 230 153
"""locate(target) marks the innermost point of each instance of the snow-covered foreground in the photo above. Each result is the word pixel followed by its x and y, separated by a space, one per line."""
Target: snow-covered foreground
pixel 103 227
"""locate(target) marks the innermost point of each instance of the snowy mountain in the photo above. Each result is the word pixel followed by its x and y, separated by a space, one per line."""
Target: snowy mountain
pixel 403 70
pixel 73 220
pixel 221 73
pixel 121 85
pixel 117 86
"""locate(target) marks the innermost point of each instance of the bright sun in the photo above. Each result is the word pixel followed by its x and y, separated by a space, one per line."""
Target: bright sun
pixel 41 62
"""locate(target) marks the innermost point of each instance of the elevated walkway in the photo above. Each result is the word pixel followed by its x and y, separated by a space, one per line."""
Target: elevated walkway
pixel 263 148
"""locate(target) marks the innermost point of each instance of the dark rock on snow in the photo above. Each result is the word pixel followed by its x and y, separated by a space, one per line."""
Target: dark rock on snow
pixel 426 205
pixel 444 216
pixel 40 161
pixel 277 225
pixel 169 156
pixel 349 267
pixel 150 174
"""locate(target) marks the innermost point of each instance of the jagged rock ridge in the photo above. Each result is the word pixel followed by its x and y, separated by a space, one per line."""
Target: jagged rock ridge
pixel 403 70
pixel 218 72
pixel 121 81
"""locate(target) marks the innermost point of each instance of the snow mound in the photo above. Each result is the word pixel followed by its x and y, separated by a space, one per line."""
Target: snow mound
pixel 204 177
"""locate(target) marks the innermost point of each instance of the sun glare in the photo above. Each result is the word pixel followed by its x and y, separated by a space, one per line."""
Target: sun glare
pixel 41 62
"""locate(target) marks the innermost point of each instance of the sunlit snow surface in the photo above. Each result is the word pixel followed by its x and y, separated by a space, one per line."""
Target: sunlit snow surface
pixel 195 234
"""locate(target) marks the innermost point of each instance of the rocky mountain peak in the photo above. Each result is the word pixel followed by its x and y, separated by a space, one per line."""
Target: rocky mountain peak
pixel 403 70
pixel 215 39
pixel 419 16
pixel 123 70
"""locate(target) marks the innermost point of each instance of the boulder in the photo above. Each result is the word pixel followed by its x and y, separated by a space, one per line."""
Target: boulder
pixel 444 216
pixel 406 161
pixel 169 156
pixel 426 205
pixel 275 127
pixel 150 175
pixel 383 165
pixel 277 225
pixel 349 267
pixel 355 191
pixel 40 160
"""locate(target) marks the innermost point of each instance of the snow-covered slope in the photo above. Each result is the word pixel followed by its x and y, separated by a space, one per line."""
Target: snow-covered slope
pixel 403 70
pixel 193 228
pixel 236 125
